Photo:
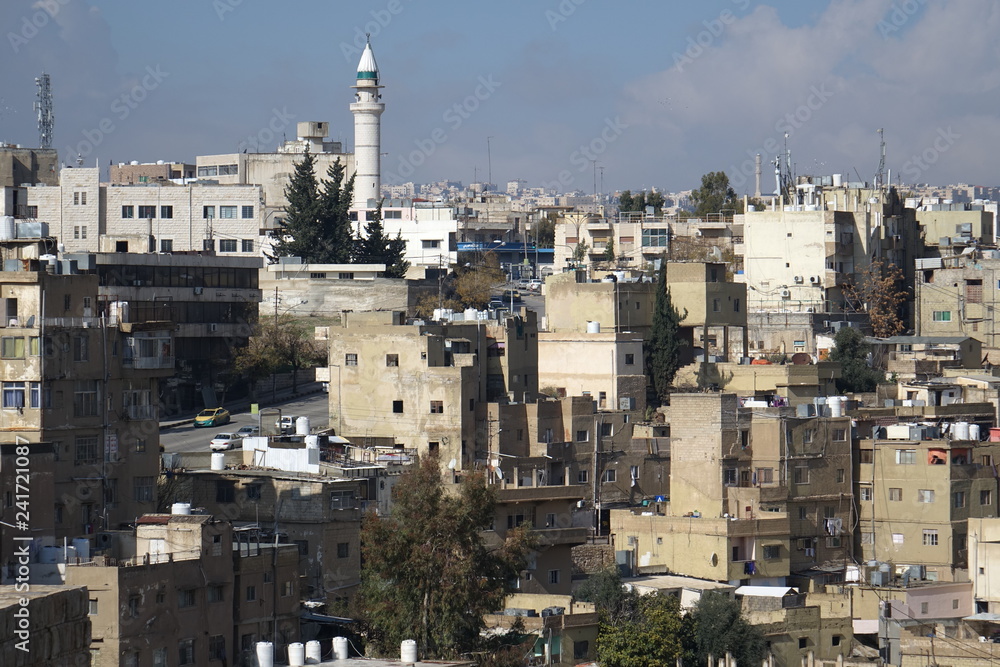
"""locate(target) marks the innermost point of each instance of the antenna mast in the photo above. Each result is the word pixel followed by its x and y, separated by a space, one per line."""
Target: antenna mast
pixel 43 105
pixel 879 175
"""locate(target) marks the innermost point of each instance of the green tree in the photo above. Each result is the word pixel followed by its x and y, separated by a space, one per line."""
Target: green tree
pixel 657 201
pixel 851 351
pixel 604 589
pixel 580 252
pixel 665 341
pixel 427 573
pixel 625 201
pixel 715 195
pixel 278 344
pixel 545 231
pixel 374 247
pixel 716 626
pixel 336 242
pixel 651 639
pixel 609 250
pixel 298 233
pixel 474 283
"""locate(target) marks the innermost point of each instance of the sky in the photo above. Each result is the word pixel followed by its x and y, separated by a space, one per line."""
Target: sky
pixel 573 94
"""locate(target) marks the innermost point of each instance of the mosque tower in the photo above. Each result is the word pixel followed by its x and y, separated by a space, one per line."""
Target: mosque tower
pixel 367 110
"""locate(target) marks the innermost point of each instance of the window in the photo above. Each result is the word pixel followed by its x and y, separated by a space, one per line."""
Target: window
pixel 729 476
pixel 925 495
pixel 147 212
pixel 227 212
pixel 185 597
pixel 716 305
pixel 393 215
pixel 973 291
pixel 166 245
pixel 803 642
pixel 866 493
pixel 942 316
pixel 392 360
pixel 343 549
pixel 216 647
pixel 829 512
pixel 80 198
pixel 765 475
pixel 923 607
pixel 185 652
pixel 930 537
pixel 34 346
pixel 140 444
pixel 840 475
pixel 81 348
pixel 959 499
pixel 253 491
pixel 553 576
pixel 582 436
pixel 166 212
pixel 580 649
pixel 807 436
pixel 37 398
pixel 583 477
pixel 350 359
pixel 897 538
pixel 247 245
pixel 13 394
pixel 142 489
pixel 287 589
pixel 92 611
pixel 803 513
pixel 225 491
pixel 428 244
pixel 736 305
pixel 85 398
pixel 610 476
pixel 772 551
pixel 227 245
pixel 801 475
pixel 345 275
pixel 80 232
pixel 906 456
pixel 839 434
pixel 397 407
pixel 128 212
pixel 207 212
pixel 12 347
pixel 208 171
pixel 833 542
pixel 629 359
pixel 216 593
pixel 251 593
pixel 655 238
pixel 437 407
pixel 895 494
pixel 246 212
pixel 986 497
pixel 867 456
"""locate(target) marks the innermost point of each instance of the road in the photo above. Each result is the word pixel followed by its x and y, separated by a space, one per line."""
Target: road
pixel 189 439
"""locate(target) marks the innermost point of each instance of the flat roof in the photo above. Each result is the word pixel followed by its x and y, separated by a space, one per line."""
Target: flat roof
pixel 765 591
pixel 666 581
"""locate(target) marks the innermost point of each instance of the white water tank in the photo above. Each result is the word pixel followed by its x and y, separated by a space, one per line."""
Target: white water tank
pixel 296 654
pixel 265 654
pixel 974 432
pixel 302 426
pixel 960 431
pixel 180 508
pixel 340 648
pixel 49 555
pixel 592 327
pixel 314 652
pixel 838 180
pixel 82 546
pixel 8 228
pixel 836 406
pixel 312 442
pixel 408 651
pixel 218 461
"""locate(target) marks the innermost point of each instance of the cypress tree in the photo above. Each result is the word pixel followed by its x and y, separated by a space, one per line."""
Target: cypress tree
pixel 665 342
pixel 298 232
pixel 336 242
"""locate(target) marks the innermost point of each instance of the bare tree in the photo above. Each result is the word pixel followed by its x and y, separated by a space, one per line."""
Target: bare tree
pixel 878 292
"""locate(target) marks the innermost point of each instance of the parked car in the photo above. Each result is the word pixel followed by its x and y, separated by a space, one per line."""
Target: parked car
pixel 248 431
pixel 212 417
pixel 224 441
pixel 286 425
pixel 535 285
pixel 512 295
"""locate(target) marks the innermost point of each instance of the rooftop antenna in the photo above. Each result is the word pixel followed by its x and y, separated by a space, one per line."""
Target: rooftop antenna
pixel 489 165
pixel 43 105
pixel 881 164
pixel 757 173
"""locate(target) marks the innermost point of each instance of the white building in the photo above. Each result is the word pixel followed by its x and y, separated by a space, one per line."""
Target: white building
pixel 367 110
pixel 429 229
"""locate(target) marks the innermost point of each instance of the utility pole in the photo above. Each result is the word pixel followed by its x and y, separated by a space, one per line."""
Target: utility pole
pixel 489 164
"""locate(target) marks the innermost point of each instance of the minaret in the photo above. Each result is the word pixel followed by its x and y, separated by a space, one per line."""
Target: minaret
pixel 367 110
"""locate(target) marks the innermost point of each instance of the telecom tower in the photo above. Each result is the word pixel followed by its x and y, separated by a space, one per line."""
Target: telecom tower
pixel 367 110
pixel 43 105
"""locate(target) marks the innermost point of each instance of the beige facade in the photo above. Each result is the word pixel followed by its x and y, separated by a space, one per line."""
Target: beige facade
pixel 958 226
pixel 984 559
pixel 24 166
pixel 152 172
pixel 58 632
pixel 187 592
pixel 957 297
pixel 608 367
pixel 619 307
pixel 89 216
pixel 568 637
pixel 804 629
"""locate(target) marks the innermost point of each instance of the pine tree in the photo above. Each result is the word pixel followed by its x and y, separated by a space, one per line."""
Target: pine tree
pixel 299 231
pixel 377 248
pixel 336 244
pixel 609 250
pixel 396 264
pixel 665 342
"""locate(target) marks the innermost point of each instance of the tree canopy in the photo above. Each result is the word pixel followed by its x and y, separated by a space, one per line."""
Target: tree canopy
pixel 374 247
pixel 629 202
pixel 878 293
pixel 277 343
pixel 715 195
pixel 650 638
pixel 852 352
pixel 665 342
pixel 716 626
pixel 427 572
pixel 545 231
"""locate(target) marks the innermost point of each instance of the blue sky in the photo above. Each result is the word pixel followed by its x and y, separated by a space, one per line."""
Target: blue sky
pixel 657 92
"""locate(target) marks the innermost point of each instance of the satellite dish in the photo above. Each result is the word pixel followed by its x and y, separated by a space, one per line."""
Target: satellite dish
pixel 452 464
pixel 499 473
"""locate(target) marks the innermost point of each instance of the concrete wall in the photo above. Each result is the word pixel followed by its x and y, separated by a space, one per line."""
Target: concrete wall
pixel 59 630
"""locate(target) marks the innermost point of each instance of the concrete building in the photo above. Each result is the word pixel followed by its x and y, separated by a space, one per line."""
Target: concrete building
pixel 59 627
pixel 566 628
pixel 925 357
pixel 799 628
pixel 185 590
pixel 150 172
pixel 80 388
pixel 89 216
pixel 946 225
pixel 956 296
pixel 429 229
pixel 607 367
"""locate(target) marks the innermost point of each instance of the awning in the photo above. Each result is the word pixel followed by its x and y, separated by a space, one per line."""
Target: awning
pixel 765 591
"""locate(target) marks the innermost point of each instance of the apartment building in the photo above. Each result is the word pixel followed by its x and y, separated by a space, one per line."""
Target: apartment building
pixel 185 589
pixel 606 366
pixel 89 216
pixel 956 296
pixel 80 387
pixel 60 626
pixel 150 172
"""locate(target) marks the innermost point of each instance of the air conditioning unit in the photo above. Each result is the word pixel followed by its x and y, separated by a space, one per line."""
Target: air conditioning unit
pixel 626 403
pixel 814 280
pixel 199 290
pixel 786 293
pixel 798 280
pixel 213 327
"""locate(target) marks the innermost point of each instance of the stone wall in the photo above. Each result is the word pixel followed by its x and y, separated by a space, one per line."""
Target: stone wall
pixel 59 630
pixel 592 558
pixel 304 297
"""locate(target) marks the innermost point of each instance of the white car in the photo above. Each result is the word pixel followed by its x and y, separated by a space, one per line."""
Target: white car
pixel 224 441
pixel 286 425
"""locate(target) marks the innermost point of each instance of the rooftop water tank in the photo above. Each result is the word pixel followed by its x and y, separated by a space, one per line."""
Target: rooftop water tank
pixel 218 461
pixel 296 654
pixel 265 654
pixel 182 509
pixel 302 426
pixel 314 652
pixel 340 648
pixel 408 651
pixel 593 327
